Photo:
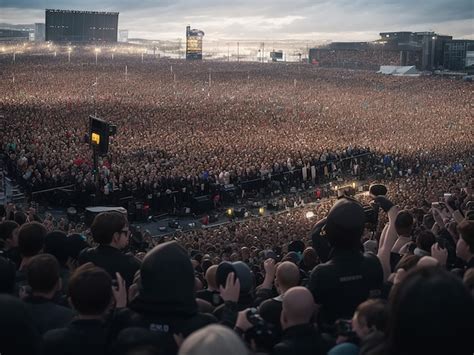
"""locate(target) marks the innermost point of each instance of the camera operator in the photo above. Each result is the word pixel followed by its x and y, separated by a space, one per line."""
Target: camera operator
pixel 349 277
pixel 299 334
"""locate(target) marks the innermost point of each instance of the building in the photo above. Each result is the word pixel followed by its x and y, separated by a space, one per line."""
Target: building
pixel 193 44
pixel 81 26
pixel 123 36
pixel 349 45
pixel 9 35
pixel 433 51
pixel 458 54
pixel 40 34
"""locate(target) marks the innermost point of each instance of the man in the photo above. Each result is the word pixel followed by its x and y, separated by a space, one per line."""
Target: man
pixel 465 244
pixel 165 303
pixel 90 294
pixel 211 294
pixel 349 277
pixel 30 243
pixel 110 230
pixel 299 336
pixel 287 276
pixel 9 241
pixel 43 278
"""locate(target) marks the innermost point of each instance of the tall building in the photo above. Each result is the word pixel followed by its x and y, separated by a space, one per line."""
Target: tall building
pixel 40 34
pixel 123 36
pixel 193 43
pixel 81 26
pixel 458 54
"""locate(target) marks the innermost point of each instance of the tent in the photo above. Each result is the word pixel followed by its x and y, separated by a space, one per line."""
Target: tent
pixel 398 70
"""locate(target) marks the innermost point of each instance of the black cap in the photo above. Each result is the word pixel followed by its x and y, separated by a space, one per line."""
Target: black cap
pixel 345 223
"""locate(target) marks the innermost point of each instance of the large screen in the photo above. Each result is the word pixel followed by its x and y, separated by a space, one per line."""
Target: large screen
pixel 81 26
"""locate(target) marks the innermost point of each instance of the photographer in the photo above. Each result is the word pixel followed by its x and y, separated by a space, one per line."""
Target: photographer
pixel 349 277
pixel 299 334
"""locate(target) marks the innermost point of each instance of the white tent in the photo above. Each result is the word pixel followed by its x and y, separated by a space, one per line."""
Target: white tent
pixel 398 70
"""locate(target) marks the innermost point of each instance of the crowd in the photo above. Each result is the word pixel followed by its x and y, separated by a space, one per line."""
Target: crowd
pixel 281 284
pixel 177 130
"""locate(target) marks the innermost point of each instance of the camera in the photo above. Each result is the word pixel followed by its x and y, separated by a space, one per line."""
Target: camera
pixel 371 212
pixel 262 334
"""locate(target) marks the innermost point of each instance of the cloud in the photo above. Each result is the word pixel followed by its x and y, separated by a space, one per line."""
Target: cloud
pixel 266 19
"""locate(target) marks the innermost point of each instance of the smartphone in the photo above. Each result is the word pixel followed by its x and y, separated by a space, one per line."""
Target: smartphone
pixel 435 204
pixel 446 195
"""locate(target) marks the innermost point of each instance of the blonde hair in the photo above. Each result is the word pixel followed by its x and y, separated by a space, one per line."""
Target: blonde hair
pixel 213 339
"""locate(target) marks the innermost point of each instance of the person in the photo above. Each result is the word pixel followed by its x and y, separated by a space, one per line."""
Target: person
pixel 44 281
pixel 211 293
pixel 9 241
pixel 419 323
pixel 299 335
pixel 31 237
pixel 90 294
pixel 349 277
pixel 56 244
pixel 213 339
pixel 110 230
pixel 165 303
pixel 7 276
pixel 287 276
pixel 465 244
pixel 18 334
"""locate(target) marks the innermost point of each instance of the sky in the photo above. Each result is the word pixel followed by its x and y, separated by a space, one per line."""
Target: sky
pixel 336 20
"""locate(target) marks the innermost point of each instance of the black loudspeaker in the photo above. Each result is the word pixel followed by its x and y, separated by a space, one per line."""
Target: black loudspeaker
pixel 173 224
pixel 240 213
pixel 213 217
pixel 229 193
pixel 202 204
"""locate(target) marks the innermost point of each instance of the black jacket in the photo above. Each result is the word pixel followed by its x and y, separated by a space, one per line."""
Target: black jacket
pixel 300 340
pixel 341 284
pixel 166 303
pixel 80 337
pixel 270 311
pixel 213 297
pixel 111 260
pixel 48 315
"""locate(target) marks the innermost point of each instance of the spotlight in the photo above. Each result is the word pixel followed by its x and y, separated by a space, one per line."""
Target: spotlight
pixel 230 212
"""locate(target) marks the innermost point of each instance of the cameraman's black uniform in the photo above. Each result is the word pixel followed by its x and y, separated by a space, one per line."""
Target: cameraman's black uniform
pixel 348 277
pixel 341 284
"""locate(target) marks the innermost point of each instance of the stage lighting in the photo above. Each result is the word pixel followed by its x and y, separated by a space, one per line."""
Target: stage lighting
pixel 230 212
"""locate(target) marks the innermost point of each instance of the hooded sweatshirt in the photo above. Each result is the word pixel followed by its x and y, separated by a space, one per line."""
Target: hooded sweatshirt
pixel 166 303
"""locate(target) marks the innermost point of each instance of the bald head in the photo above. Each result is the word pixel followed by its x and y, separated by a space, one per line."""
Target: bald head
pixel 427 261
pixel 287 276
pixel 298 307
pixel 211 277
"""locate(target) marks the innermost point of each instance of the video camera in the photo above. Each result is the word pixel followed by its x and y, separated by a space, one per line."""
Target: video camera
pixel 262 333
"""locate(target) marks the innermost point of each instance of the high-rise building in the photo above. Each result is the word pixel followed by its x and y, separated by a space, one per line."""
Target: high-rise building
pixel 123 36
pixel 40 32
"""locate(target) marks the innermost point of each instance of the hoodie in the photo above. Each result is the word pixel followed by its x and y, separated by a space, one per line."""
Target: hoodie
pixel 166 303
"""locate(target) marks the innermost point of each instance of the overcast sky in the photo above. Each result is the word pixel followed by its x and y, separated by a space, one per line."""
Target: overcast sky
pixel 266 19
